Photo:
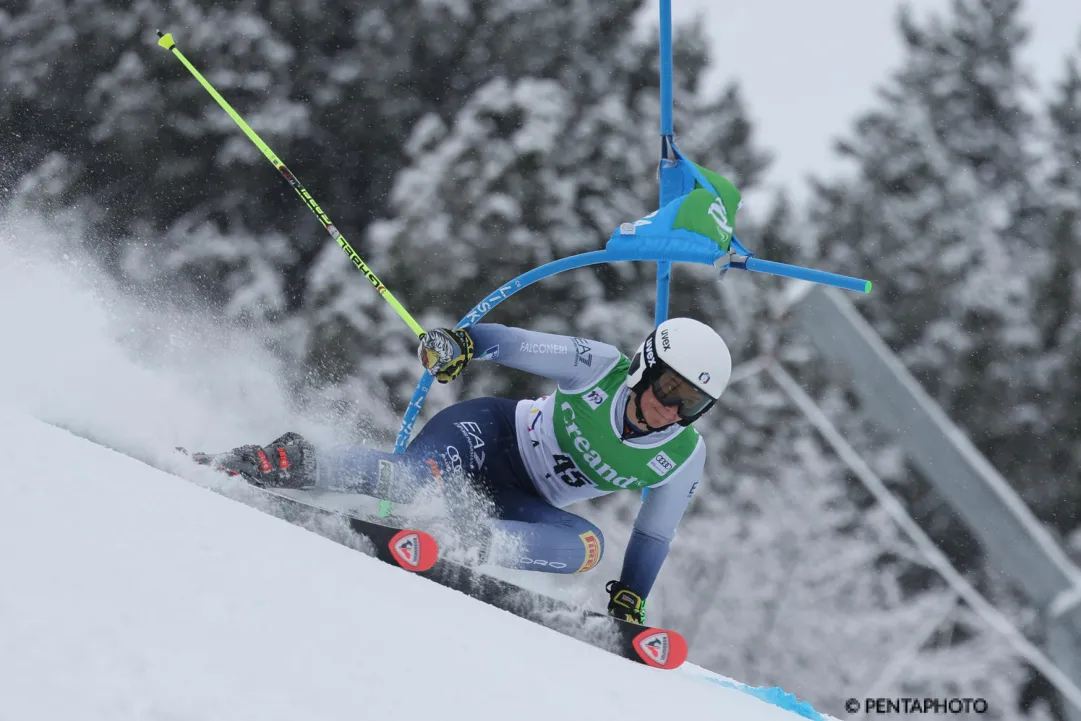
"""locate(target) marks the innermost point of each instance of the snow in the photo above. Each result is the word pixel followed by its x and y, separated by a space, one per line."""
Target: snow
pixel 129 593
pixel 126 592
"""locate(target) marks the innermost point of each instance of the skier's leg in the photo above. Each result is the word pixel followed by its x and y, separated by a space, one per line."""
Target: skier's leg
pixel 475 441
pixel 391 476
pixel 546 538
pixel 457 449
pixel 468 445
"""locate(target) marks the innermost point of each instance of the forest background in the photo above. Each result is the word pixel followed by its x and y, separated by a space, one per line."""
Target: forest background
pixel 458 143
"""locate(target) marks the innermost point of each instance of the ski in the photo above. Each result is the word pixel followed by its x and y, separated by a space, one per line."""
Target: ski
pixel 411 549
pixel 417 551
pixel 650 645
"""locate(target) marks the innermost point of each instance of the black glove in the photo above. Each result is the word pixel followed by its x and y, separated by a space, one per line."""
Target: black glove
pixel 444 352
pixel 625 604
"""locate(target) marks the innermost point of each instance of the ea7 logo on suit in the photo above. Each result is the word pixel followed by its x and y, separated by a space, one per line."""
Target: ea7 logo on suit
pixel 472 433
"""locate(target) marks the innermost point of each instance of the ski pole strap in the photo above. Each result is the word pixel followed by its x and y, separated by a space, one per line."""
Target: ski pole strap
pixel 166 41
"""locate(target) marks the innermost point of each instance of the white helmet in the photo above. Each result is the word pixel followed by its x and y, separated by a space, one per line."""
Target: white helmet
pixel 689 351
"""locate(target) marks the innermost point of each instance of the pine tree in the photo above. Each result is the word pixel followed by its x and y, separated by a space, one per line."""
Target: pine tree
pixel 1058 314
pixel 530 171
pixel 945 217
pixel 457 144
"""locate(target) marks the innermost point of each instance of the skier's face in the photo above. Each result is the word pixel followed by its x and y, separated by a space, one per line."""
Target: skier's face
pixel 657 415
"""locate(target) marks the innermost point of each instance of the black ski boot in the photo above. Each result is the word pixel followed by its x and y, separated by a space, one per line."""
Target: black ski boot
pixel 287 462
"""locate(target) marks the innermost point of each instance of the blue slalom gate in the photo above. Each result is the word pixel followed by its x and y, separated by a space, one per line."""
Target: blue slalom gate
pixel 653 238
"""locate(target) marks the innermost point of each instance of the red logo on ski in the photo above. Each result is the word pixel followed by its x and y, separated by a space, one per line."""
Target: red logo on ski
pixel 414 550
pixel 661 649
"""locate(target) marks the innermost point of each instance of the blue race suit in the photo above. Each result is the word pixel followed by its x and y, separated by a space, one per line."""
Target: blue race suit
pixel 478 441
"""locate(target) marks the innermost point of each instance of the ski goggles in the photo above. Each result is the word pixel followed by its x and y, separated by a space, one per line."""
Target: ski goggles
pixel 672 389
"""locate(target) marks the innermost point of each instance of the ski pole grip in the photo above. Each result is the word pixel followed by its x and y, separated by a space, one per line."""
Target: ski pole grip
pixel 798 272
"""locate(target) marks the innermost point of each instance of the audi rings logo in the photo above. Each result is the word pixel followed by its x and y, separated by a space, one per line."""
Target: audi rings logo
pixel 454 459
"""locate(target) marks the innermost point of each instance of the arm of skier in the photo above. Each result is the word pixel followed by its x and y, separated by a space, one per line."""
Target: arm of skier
pixel 656 524
pixel 573 363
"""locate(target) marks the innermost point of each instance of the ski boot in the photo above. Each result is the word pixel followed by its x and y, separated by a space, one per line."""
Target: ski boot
pixel 625 604
pixel 287 462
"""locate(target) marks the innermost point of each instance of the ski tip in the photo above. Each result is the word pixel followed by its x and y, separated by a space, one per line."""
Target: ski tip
pixel 660 648
pixel 414 550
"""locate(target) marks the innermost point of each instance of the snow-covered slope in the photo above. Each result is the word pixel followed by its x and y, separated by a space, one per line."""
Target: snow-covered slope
pixel 129 593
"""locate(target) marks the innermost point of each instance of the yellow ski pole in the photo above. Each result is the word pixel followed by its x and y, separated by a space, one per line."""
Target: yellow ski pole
pixel 166 41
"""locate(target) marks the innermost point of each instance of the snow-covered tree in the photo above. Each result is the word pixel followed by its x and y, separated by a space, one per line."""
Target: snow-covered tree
pixel 458 144
pixel 1057 315
pixel 529 171
pixel 945 215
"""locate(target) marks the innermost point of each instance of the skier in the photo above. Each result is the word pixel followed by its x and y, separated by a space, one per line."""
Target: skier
pixel 611 424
